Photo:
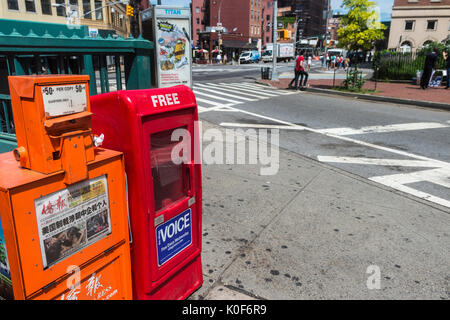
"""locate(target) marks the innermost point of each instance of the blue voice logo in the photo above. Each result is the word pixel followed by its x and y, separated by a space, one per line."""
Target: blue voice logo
pixel 173 236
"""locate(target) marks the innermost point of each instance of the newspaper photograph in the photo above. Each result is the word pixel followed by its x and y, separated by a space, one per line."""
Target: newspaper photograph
pixel 6 290
pixel 72 219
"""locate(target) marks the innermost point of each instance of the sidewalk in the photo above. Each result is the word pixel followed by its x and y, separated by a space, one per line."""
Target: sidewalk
pixel 312 231
pixel 407 91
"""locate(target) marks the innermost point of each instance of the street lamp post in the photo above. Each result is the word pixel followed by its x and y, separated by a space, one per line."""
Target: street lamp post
pixel 219 26
pixel 275 47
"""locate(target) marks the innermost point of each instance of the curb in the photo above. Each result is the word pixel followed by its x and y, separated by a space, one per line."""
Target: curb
pixel 419 103
pixel 426 104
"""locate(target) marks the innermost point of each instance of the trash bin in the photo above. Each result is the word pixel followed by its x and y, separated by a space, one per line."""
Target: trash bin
pixel 265 73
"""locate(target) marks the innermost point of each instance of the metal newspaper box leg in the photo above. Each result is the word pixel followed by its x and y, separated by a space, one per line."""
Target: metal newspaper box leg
pixel 156 131
pixel 64 226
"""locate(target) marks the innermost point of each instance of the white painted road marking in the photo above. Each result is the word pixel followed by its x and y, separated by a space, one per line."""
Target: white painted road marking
pixel 379 162
pixel 438 176
pixel 385 128
pixel 206 88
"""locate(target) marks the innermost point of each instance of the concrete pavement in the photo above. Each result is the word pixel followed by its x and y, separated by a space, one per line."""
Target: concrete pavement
pixel 317 232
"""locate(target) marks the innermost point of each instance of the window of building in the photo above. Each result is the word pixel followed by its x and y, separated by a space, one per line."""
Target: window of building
pixel 409 25
pixel 30 6
pixel 449 26
pixel 406 46
pixel 61 8
pixel 46 7
pixel 268 5
pixel 268 17
pixel 98 11
pixel 87 9
pixel 74 8
pixel 431 24
pixel 13 4
pixel 267 39
pixel 197 9
pixel 197 20
pixel 427 43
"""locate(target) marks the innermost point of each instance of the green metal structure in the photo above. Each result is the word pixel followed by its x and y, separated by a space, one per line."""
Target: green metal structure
pixel 111 63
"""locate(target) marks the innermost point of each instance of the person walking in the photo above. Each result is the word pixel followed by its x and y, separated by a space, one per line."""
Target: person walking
pixel 333 61
pixel 309 61
pixel 328 61
pixel 428 69
pixel 296 73
pixel 447 66
pixel 302 70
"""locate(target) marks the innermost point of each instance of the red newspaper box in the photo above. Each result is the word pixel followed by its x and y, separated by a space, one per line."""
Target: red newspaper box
pixel 155 129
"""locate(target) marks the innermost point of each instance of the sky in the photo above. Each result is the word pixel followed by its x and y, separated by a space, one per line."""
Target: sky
pixel 385 6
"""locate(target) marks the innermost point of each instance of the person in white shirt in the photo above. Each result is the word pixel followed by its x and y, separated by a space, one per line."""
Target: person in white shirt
pixel 309 62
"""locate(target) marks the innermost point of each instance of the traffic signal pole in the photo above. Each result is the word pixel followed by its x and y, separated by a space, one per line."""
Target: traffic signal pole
pixel 133 13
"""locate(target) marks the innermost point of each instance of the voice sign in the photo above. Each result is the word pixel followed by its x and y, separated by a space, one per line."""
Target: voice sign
pixel 173 236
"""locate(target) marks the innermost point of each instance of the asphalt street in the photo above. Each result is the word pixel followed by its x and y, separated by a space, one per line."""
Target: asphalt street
pixel 401 152
pixel 406 148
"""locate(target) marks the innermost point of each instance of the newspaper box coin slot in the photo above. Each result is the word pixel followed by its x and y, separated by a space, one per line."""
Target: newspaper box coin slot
pixel 164 184
pixel 64 224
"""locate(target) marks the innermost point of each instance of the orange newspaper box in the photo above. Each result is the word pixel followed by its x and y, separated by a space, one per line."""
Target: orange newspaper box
pixel 63 209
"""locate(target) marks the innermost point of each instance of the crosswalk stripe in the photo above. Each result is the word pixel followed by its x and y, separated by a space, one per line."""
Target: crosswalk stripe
pixel 216 97
pixel 250 90
pixel 280 92
pixel 214 103
pixel 196 87
pixel 236 92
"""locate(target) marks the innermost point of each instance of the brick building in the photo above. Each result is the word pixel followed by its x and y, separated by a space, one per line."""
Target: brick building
pixel 200 19
pixel 417 22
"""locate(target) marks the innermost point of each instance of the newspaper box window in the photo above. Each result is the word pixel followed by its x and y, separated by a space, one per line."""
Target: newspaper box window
pixel 62 200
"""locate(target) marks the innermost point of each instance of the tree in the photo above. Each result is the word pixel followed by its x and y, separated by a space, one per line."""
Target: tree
pixel 360 26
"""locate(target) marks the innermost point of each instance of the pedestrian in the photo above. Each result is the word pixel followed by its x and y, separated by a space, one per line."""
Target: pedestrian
pixel 225 59
pixel 309 61
pixel 296 73
pixel 447 66
pixel 333 61
pixel 328 61
pixel 302 70
pixel 219 58
pixel 428 69
pixel 322 59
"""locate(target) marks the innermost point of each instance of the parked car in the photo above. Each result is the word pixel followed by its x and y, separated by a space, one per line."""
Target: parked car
pixel 249 57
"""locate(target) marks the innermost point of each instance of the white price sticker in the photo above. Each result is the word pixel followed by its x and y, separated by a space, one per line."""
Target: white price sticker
pixel 64 99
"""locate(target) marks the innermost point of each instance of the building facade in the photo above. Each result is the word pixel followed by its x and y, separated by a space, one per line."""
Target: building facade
pixel 266 22
pixel 200 19
pixel 94 13
pixel 241 18
pixel 310 15
pixel 416 23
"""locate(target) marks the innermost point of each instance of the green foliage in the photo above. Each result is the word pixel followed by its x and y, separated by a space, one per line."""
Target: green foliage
pixel 354 80
pixel 404 66
pixel 360 25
